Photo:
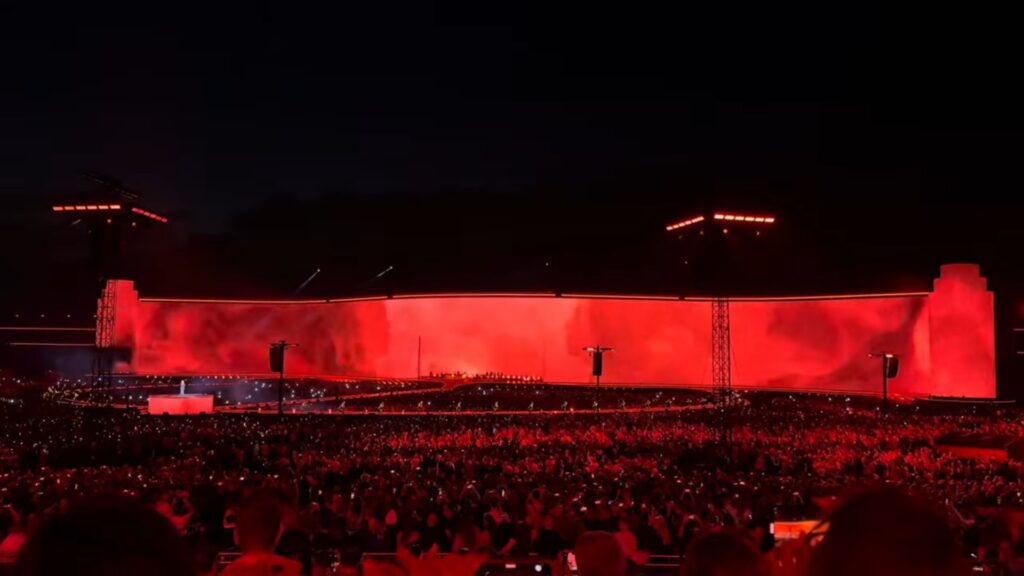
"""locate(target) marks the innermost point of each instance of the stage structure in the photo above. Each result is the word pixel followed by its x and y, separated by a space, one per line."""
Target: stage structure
pixel 721 349
pixel 944 337
pixel 277 355
pixel 718 221
pixel 179 404
pixel 597 357
pixel 110 212
pixel 890 368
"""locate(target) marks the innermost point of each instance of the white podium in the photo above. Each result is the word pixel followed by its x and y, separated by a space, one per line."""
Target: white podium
pixel 180 404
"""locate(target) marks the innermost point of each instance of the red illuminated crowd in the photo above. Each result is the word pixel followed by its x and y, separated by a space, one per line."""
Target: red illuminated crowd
pixel 487 377
pixel 504 486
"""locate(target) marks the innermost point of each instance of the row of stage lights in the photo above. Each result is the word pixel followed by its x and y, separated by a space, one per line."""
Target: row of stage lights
pixel 149 214
pixel 86 207
pixel 107 208
pixel 684 223
pixel 721 216
pixel 742 218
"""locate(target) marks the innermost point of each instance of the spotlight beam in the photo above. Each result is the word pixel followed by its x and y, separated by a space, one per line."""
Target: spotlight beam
pixel 308 280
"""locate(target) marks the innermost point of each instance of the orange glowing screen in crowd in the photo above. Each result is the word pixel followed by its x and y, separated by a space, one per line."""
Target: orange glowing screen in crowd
pixel 944 338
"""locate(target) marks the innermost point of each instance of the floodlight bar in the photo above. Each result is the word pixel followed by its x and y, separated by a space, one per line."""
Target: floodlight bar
pixel 149 214
pixel 684 223
pixel 85 207
pixel 729 217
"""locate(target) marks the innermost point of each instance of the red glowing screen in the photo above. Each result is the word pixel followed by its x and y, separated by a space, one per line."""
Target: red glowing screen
pixel 945 338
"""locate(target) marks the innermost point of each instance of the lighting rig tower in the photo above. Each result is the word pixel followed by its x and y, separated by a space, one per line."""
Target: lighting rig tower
pixel 111 213
pixel 597 354
pixel 890 368
pixel 721 349
pixel 720 223
pixel 277 350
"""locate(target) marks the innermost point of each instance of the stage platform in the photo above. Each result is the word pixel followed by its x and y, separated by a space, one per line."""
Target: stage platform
pixel 180 404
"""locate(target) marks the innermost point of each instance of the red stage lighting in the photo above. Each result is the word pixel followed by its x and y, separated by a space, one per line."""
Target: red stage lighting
pixel 684 223
pixel 85 207
pixel 944 337
pixel 622 296
pixel 744 218
pixel 149 214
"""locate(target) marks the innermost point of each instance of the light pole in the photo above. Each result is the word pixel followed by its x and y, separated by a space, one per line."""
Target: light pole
pixel 597 353
pixel 277 350
pixel 890 368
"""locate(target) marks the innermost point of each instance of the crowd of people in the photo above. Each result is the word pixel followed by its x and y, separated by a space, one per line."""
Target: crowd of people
pixel 388 396
pixel 486 377
pixel 502 486
pixel 513 398
pixel 227 390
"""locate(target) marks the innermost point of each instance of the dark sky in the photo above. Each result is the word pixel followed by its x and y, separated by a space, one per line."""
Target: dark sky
pixel 372 134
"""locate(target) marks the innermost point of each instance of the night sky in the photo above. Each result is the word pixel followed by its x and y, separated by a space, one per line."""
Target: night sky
pixel 475 146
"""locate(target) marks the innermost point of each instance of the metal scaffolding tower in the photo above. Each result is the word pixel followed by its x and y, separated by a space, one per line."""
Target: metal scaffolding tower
pixel 721 349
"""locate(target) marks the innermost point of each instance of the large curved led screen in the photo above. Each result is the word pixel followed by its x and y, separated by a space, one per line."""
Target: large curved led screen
pixel 944 338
